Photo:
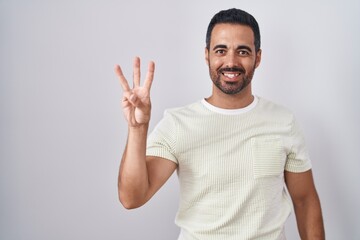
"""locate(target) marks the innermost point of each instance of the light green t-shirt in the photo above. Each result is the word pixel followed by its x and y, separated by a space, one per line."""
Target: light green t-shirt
pixel 231 168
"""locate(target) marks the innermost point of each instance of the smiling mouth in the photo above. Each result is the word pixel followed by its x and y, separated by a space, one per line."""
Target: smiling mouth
pixel 231 75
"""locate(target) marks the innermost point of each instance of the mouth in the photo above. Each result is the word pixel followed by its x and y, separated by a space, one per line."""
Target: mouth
pixel 231 75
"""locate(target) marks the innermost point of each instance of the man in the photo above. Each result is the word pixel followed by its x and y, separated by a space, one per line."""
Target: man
pixel 234 152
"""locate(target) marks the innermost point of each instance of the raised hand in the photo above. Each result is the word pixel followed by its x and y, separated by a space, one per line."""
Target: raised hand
pixel 136 102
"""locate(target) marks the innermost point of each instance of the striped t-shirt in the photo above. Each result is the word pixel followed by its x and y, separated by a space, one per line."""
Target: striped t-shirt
pixel 231 168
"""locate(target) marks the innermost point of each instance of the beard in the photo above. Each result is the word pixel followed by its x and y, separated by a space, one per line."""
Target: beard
pixel 231 88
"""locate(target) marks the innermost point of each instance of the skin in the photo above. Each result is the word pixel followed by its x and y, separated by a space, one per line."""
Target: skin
pixel 306 205
pixel 232 46
pixel 140 176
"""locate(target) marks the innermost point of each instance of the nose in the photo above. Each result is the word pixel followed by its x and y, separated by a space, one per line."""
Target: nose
pixel 231 60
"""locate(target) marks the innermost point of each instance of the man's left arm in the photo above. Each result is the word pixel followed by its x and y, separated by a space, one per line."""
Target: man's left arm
pixel 306 205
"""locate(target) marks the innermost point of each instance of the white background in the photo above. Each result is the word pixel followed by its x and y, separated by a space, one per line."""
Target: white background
pixel 62 131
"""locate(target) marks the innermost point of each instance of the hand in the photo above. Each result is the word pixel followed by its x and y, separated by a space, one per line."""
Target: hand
pixel 136 101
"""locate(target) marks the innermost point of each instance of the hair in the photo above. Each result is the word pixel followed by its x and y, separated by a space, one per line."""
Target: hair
pixel 234 16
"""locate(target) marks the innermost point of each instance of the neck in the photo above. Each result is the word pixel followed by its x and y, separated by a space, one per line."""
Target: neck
pixel 231 101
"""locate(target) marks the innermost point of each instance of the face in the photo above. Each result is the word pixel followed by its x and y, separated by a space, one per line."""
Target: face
pixel 231 57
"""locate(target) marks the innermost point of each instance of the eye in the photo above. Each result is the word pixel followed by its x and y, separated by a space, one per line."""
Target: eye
pixel 220 51
pixel 243 53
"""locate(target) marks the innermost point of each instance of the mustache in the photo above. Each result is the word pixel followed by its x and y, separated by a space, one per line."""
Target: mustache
pixel 232 69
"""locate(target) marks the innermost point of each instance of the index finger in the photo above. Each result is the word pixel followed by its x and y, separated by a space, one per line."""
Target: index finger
pixel 150 75
pixel 123 81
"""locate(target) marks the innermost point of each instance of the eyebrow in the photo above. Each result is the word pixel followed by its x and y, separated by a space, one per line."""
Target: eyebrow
pixel 219 46
pixel 238 47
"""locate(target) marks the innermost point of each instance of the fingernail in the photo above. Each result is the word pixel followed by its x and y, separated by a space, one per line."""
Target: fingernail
pixel 133 98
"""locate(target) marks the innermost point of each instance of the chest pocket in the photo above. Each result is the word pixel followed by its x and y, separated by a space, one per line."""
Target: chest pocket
pixel 268 157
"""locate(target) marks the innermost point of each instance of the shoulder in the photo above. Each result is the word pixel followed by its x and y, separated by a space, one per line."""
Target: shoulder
pixel 268 105
pixel 185 111
pixel 274 112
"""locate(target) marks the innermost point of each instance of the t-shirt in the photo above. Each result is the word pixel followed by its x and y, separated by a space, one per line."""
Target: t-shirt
pixel 231 168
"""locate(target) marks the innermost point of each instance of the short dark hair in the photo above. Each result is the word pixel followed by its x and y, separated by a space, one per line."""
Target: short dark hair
pixel 234 16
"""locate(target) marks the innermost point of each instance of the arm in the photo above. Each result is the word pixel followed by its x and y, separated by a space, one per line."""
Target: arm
pixel 139 176
pixel 306 204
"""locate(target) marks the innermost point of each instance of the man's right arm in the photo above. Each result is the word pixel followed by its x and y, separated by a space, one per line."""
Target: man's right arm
pixel 139 176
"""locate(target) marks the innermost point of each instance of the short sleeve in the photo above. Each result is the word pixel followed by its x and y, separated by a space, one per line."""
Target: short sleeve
pixel 298 158
pixel 162 140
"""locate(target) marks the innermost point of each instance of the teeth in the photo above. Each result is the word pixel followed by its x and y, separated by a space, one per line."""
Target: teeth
pixel 231 75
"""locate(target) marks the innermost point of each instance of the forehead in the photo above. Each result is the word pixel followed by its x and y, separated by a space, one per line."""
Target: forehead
pixel 227 33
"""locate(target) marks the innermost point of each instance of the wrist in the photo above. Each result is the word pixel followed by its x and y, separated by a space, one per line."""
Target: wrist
pixel 139 128
pixel 138 134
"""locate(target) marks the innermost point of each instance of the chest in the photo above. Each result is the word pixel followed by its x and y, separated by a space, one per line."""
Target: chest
pixel 226 150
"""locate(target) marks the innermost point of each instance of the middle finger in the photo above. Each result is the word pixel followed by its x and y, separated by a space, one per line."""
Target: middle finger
pixel 136 72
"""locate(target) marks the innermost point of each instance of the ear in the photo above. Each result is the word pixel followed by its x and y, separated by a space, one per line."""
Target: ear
pixel 207 56
pixel 258 58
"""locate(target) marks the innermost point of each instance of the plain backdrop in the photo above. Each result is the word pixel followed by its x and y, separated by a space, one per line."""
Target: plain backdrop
pixel 63 133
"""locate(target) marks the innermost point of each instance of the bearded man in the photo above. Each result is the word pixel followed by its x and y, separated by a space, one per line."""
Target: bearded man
pixel 235 153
